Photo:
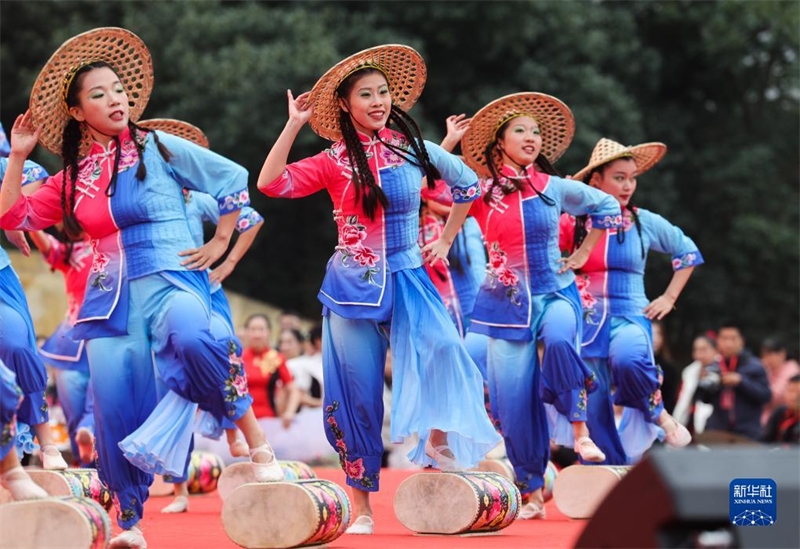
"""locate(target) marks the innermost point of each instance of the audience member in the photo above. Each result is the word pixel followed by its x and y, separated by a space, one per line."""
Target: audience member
pixel 783 425
pixel 779 370
pixel 291 343
pixel 690 411
pixel 737 386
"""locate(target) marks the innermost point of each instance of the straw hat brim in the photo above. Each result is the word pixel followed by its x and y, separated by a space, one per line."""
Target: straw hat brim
pixel 555 120
pixel 646 156
pixel 120 48
pixel 404 69
pixel 187 131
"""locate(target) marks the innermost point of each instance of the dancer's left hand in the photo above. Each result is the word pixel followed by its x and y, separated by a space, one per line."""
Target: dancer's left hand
pixel 221 272
pixel 659 307
pixel 200 259
pixel 17 238
pixel 574 262
pixel 436 251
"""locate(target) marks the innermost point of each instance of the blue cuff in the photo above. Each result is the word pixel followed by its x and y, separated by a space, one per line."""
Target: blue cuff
pixel 466 194
pixel 689 259
pixel 232 202
pixel 247 222
pixel 606 221
pixel 32 174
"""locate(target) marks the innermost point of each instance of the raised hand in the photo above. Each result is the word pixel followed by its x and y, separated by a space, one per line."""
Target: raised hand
pixel 457 125
pixel 24 136
pixel 300 110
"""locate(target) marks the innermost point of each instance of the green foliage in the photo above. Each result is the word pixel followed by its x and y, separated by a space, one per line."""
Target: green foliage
pixel 716 81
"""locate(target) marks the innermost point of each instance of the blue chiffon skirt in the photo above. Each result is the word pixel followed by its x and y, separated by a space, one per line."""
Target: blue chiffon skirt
pixel 161 445
pixel 435 385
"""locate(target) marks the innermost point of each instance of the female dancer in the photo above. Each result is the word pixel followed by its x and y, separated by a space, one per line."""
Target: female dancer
pixel 529 293
pixel 616 312
pixel 200 208
pixel 66 356
pixel 123 186
pixel 376 292
pixel 18 337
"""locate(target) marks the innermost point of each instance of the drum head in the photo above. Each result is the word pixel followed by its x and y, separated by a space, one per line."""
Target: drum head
pixel 44 524
pixel 435 503
pixel 269 515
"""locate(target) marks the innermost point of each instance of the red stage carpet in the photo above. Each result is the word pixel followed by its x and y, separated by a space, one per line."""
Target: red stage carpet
pixel 202 527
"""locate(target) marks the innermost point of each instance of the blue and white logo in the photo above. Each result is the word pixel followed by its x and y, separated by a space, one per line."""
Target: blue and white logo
pixel 753 502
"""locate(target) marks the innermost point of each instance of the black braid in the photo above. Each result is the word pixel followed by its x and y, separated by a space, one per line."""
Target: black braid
pixel 367 190
pixel 138 134
pixel 580 231
pixel 621 231
pixel 70 148
pixel 68 242
pixel 112 186
pixel 488 154
pixel 410 130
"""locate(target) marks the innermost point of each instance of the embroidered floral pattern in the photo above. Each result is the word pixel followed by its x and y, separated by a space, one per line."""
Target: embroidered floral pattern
pixel 686 260
pixel 654 400
pixel 233 202
pixel 100 260
pixel 236 384
pixel 390 158
pixel 583 401
pixel 43 407
pixel 129 156
pixel 355 469
pixel 8 432
pixel 467 194
pixel 127 514
pixel 248 221
pixel 607 222
pixel 588 301
pixel 498 271
pixel 33 174
pixel 351 237
pixel 99 263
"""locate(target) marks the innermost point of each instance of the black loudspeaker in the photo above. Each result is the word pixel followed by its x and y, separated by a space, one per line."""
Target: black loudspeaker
pixel 681 499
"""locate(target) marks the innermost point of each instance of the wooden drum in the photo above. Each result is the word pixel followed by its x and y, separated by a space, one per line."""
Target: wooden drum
pixel 54 523
pixel 73 482
pixel 240 473
pixel 274 515
pixel 580 489
pixel 456 503
pixel 503 467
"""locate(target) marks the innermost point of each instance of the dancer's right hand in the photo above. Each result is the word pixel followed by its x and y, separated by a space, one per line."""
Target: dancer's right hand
pixel 17 238
pixel 300 110
pixel 24 136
